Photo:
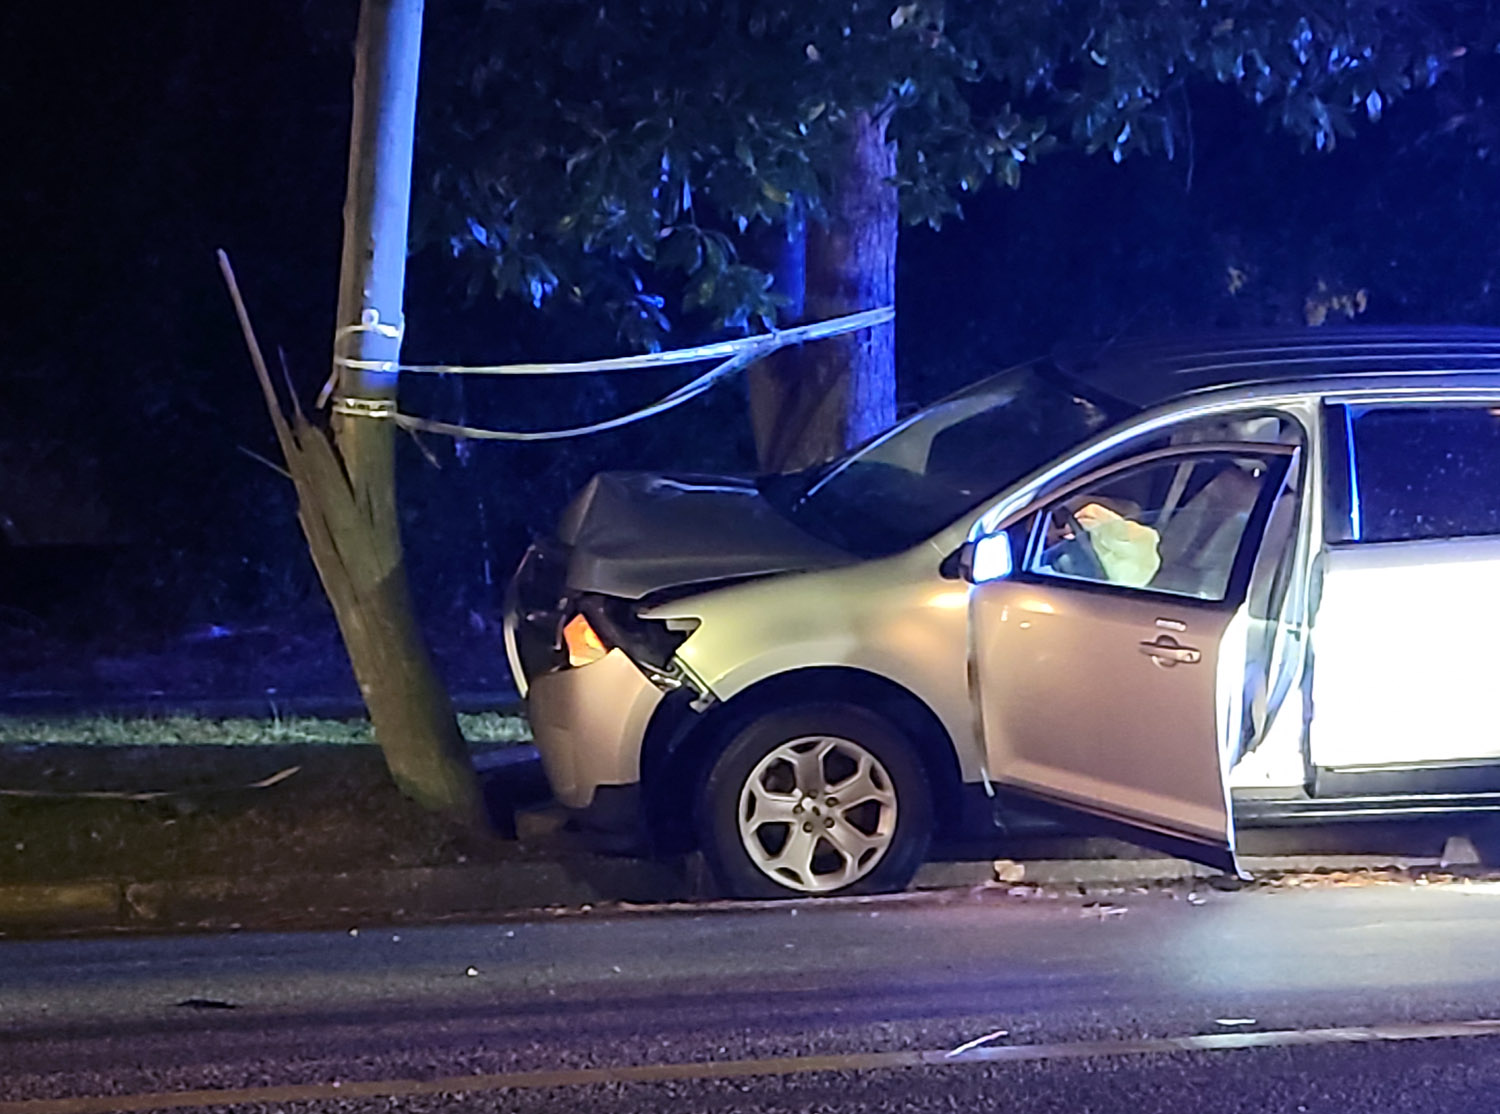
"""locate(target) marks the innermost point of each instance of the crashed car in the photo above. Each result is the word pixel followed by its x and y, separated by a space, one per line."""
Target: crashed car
pixel 1162 590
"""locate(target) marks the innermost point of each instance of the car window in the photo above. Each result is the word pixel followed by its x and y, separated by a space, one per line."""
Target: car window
pixel 915 479
pixel 1424 472
pixel 1173 525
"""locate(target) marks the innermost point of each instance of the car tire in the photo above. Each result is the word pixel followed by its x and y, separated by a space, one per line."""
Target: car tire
pixel 764 815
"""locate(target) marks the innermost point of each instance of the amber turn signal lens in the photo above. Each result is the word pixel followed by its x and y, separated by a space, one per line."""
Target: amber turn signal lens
pixel 583 643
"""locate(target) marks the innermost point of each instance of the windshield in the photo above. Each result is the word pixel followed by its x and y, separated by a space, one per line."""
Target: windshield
pixel 919 477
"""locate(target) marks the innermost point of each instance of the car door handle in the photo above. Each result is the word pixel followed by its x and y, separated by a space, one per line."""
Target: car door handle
pixel 1165 651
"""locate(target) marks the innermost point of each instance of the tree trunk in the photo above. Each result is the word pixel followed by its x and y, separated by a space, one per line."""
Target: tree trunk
pixel 347 490
pixel 809 404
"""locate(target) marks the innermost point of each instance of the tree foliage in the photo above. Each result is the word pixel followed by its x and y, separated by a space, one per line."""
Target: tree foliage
pixel 613 153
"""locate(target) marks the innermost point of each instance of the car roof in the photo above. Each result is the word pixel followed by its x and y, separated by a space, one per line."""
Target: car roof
pixel 1147 373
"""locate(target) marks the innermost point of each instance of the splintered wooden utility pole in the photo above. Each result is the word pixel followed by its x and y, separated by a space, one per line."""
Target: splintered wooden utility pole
pixel 346 485
pixel 409 707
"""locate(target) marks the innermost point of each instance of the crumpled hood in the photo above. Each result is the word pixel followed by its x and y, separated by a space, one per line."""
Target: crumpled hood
pixel 633 533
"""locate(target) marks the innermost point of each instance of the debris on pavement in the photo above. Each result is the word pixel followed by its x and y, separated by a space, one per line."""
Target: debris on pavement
pixel 1102 909
pixel 1008 870
pixel 969 1046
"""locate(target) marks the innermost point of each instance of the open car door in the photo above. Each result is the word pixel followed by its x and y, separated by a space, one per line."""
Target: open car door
pixel 1098 617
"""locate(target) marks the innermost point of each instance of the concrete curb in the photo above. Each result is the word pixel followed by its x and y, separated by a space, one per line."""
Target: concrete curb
pixel 416 894
pixel 60 904
pixel 1100 872
pixel 1138 871
pixel 406 894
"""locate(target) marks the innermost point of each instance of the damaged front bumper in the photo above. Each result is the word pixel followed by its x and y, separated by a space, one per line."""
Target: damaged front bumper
pixel 589 724
pixel 587 721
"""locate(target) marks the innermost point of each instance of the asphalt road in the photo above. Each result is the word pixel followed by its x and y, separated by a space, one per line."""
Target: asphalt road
pixel 1324 998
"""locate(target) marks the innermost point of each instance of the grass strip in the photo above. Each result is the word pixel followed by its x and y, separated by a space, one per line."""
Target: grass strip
pixel 85 730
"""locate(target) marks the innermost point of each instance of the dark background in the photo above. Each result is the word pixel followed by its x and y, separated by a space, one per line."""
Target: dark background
pixel 139 141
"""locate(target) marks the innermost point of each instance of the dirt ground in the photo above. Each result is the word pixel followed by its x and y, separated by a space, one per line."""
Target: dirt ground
pixel 194 813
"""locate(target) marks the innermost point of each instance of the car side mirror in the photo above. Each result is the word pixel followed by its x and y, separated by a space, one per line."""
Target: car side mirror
pixel 985 558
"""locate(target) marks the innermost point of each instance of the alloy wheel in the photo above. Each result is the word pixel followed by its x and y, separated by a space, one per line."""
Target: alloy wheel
pixel 817 813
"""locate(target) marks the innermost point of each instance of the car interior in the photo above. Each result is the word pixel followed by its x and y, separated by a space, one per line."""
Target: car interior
pixel 1176 527
pixel 1171 526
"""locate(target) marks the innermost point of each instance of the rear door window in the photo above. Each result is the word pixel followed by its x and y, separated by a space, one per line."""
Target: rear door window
pixel 1424 472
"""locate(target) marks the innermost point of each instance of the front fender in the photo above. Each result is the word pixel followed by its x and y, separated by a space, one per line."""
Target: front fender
pixel 895 618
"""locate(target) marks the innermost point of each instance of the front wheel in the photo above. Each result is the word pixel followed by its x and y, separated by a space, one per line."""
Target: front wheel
pixel 817 800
